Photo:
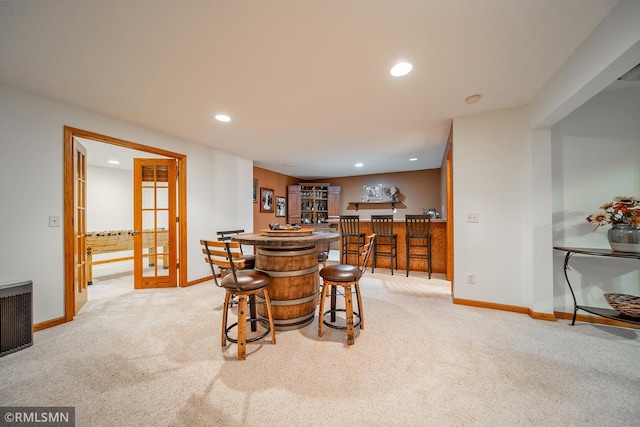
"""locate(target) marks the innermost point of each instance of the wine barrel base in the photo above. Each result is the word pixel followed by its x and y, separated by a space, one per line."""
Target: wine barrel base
pixel 294 285
pixel 285 323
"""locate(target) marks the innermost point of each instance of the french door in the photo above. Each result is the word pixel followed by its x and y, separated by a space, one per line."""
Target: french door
pixel 80 225
pixel 155 232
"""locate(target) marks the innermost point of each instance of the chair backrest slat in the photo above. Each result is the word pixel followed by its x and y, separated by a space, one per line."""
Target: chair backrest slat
pixel 418 225
pixel 382 225
pixel 225 255
pixel 228 234
pixel 350 225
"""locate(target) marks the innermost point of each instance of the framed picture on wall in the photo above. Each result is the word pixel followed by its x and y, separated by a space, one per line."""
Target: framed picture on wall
pixel 255 191
pixel 281 206
pixel 266 199
pixel 372 193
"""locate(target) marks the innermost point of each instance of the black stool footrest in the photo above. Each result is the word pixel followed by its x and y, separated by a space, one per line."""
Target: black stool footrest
pixel 333 326
pixel 264 322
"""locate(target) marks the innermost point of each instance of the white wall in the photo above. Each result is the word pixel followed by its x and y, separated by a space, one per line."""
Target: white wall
pixel 31 187
pixel 490 175
pixel 109 198
pixel 596 156
pixel 514 262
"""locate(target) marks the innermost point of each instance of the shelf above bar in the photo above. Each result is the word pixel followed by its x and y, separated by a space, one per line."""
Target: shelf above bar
pixel 387 202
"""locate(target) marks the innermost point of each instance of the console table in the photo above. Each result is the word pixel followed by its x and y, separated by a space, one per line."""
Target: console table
pixel 603 312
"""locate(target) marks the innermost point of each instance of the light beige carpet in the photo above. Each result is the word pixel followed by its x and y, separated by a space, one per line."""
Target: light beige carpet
pixel 153 357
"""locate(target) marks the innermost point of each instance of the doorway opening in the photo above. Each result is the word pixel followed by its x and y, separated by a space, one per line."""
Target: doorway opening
pixel 74 254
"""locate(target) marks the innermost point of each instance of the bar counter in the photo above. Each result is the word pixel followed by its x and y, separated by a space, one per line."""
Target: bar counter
pixel 438 246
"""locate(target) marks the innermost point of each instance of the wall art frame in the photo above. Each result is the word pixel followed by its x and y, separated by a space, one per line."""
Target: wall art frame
pixel 266 200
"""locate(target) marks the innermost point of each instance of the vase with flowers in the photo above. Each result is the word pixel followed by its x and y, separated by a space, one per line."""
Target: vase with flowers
pixel 623 214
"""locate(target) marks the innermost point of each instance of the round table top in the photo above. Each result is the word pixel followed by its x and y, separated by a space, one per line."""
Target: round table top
pixel 258 239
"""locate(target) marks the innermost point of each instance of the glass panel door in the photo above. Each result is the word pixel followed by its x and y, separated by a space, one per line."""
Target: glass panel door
pixel 155 257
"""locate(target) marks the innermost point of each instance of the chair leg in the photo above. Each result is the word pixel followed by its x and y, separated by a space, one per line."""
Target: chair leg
pixel 348 297
pixel 242 327
pixel 225 309
pixel 429 251
pixel 374 258
pixel 252 312
pixel 408 260
pixel 271 325
pixel 360 312
pixel 321 312
pixel 334 299
pixel 394 253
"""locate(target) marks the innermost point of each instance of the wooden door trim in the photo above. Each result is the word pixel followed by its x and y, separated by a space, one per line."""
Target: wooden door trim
pixel 69 215
pixel 449 178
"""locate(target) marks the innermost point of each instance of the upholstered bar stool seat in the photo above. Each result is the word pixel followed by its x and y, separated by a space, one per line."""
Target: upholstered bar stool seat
pixel 245 285
pixel 248 280
pixel 347 277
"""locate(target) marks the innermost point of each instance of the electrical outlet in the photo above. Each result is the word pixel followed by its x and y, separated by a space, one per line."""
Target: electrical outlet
pixel 472 217
pixel 471 279
pixel 54 221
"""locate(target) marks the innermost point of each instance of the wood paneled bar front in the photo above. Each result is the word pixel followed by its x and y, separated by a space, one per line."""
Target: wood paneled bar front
pixel 438 246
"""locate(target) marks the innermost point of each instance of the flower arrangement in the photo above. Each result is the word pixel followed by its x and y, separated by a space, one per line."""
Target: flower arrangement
pixel 391 192
pixel 623 210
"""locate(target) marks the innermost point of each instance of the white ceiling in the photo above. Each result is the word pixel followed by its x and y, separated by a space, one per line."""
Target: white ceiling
pixel 306 83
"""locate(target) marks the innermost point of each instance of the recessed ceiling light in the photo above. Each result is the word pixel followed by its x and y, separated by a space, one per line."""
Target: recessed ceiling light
pixel 359 165
pixel 223 118
pixel 401 69
pixel 113 162
pixel 473 99
pixel 413 159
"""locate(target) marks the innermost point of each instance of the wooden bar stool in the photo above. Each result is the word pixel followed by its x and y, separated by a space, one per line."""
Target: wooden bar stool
pixel 418 239
pixel 386 240
pixel 244 284
pixel 345 276
pixel 249 259
pixel 351 238
pixel 249 263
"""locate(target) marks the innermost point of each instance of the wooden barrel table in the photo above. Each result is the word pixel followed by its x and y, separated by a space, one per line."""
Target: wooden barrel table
pixel 292 262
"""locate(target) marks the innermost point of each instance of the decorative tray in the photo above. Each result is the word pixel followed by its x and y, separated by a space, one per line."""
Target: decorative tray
pixel 287 232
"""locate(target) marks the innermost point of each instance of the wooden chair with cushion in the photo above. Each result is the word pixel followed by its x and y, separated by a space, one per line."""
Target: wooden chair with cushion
pixel 244 284
pixel 345 276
